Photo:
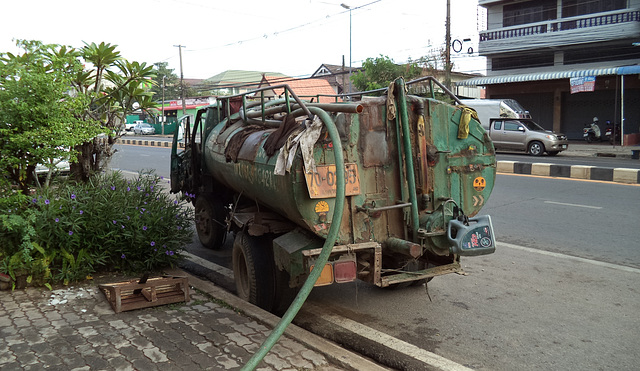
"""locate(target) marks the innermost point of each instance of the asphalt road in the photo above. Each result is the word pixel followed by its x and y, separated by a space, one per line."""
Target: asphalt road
pixel 138 158
pixel 559 293
pixel 592 220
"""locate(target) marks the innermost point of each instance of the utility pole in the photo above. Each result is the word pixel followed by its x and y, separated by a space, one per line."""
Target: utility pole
pixel 184 105
pixel 350 56
pixel 447 75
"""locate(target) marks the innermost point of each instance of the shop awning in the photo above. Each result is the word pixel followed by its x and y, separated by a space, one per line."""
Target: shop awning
pixel 541 76
pixel 176 108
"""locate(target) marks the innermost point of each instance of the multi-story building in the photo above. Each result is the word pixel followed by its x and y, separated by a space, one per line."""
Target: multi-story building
pixel 535 48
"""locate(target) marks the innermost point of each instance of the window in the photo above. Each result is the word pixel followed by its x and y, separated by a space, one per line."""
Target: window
pixel 601 53
pixel 497 125
pixel 528 12
pixel 522 61
pixel 323 71
pixel 572 8
pixel 511 125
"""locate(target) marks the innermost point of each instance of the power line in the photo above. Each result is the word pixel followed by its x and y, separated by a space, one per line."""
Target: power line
pixel 278 33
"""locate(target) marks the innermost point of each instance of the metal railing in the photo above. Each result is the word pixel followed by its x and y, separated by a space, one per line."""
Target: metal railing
pixel 562 24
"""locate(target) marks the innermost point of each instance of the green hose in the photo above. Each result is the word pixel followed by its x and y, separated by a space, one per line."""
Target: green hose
pixel 326 248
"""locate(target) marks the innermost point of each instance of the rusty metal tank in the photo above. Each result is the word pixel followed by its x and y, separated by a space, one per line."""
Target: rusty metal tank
pixel 412 165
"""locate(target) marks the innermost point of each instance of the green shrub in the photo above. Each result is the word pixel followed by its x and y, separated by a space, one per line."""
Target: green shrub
pixel 65 233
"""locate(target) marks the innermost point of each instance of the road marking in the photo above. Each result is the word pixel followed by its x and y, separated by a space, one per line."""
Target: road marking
pixel 388 341
pixel 569 257
pixel 209 265
pixel 576 205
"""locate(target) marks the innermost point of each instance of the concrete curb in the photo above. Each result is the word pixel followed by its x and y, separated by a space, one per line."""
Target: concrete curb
pixel 617 175
pixel 144 142
pixel 331 351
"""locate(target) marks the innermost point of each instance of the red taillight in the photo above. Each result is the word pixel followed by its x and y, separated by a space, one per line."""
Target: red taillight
pixel 344 270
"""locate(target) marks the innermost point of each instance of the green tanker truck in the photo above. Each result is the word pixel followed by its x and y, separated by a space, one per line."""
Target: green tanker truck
pixel 385 188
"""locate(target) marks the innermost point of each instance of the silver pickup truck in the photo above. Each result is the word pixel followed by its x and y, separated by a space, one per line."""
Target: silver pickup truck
pixel 511 128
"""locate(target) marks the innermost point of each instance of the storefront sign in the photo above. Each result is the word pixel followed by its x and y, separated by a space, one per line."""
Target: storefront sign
pixel 581 84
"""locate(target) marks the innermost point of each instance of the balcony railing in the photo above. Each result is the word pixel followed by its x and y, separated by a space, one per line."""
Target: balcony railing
pixel 562 24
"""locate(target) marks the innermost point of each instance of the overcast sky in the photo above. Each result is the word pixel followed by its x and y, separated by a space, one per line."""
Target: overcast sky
pixel 287 36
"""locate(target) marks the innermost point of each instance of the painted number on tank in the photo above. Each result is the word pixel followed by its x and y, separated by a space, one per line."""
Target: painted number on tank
pixel 322 183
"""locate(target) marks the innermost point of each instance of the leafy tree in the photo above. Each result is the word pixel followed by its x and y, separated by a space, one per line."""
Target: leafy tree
pixel 380 72
pixel 37 121
pixel 433 64
pixel 112 88
pixel 171 83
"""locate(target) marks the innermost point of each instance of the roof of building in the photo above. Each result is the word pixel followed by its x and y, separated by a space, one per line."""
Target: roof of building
pixel 235 77
pixel 192 82
pixel 329 69
pixel 303 88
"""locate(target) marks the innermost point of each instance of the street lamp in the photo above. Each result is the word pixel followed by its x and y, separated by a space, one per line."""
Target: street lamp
pixel 162 119
pixel 349 8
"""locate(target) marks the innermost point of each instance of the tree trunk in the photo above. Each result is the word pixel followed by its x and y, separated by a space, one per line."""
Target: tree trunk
pixel 93 157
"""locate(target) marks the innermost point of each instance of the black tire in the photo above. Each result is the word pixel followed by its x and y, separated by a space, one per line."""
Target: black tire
pixel 284 295
pixel 535 148
pixel 209 218
pixel 257 278
pixel 253 271
pixel 553 153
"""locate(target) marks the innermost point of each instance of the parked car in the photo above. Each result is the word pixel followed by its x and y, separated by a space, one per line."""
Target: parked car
pixel 143 128
pixel 61 167
pixel 128 126
pixel 510 127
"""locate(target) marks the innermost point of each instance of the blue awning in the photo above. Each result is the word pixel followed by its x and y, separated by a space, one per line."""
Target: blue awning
pixel 541 76
pixel 629 70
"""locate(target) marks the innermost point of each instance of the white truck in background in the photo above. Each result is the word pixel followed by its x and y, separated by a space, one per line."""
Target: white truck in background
pixel 511 128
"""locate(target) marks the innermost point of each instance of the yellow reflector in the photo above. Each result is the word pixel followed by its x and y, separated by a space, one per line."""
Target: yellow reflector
pixel 326 277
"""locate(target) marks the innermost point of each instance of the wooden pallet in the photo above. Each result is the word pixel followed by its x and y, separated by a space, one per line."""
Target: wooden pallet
pixel 130 295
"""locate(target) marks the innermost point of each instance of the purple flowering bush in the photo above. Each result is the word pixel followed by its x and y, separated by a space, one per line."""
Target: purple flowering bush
pixel 107 224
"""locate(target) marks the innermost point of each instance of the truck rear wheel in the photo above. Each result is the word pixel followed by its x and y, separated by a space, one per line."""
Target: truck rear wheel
pixel 209 215
pixel 252 271
pixel 257 278
pixel 536 148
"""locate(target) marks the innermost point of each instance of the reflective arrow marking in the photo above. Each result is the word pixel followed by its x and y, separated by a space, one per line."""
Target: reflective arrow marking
pixel 478 200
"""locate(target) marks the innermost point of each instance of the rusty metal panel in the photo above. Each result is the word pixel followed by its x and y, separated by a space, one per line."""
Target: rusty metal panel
pixel 251 145
pixel 374 143
pixel 374 149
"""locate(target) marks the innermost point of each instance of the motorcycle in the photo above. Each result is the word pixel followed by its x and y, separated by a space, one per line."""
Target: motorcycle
pixel 612 133
pixel 590 134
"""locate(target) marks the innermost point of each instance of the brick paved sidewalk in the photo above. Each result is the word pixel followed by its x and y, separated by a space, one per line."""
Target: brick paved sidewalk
pixel 76 329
